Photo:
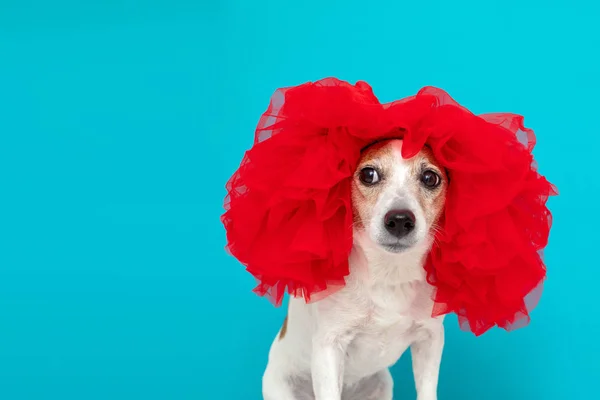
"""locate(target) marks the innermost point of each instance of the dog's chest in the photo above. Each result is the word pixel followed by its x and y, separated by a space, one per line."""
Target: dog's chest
pixel 392 322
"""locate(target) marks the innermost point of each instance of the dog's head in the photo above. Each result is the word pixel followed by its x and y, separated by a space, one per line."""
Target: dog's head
pixel 397 202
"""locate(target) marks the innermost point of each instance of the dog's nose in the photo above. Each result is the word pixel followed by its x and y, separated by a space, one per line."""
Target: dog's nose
pixel 399 222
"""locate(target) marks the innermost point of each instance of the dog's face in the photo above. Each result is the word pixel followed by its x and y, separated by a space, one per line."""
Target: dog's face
pixel 397 202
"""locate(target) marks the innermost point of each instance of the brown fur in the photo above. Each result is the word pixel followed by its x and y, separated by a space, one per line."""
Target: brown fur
pixel 283 328
pixel 432 202
pixel 382 157
pixel 364 197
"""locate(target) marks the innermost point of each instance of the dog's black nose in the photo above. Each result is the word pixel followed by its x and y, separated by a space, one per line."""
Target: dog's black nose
pixel 399 222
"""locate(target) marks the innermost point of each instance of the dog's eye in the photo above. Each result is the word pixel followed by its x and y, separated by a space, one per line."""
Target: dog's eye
pixel 430 179
pixel 368 176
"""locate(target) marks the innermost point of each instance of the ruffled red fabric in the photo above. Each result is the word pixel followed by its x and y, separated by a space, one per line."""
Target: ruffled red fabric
pixel 289 219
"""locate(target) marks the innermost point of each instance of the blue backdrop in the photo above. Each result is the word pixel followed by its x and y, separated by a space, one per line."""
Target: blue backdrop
pixel 120 122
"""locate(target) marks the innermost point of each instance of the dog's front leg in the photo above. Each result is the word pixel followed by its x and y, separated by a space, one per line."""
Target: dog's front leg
pixel 426 360
pixel 327 368
pixel 330 341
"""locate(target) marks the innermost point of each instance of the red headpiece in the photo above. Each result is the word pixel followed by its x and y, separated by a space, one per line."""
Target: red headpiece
pixel 289 218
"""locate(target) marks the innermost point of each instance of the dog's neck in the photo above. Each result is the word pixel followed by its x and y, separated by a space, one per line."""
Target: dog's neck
pixel 389 268
pixel 394 280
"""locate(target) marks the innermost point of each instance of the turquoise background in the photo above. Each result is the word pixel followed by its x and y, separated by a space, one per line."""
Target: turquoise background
pixel 120 122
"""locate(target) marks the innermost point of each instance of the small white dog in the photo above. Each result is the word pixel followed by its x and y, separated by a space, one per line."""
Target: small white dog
pixel 340 348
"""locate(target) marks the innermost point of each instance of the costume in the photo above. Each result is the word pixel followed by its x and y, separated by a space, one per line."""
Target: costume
pixel 289 217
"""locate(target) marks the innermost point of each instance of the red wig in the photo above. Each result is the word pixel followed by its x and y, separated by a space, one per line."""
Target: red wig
pixel 289 219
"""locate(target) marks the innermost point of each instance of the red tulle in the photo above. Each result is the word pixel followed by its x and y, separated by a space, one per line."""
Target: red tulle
pixel 289 218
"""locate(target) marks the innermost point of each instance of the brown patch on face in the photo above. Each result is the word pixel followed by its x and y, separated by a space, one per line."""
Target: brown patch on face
pixel 383 157
pixel 431 200
pixel 379 156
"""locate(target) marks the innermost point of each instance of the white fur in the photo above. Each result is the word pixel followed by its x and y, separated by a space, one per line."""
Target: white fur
pixel 340 348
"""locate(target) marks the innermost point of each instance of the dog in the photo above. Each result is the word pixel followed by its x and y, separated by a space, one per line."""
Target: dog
pixel 341 347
